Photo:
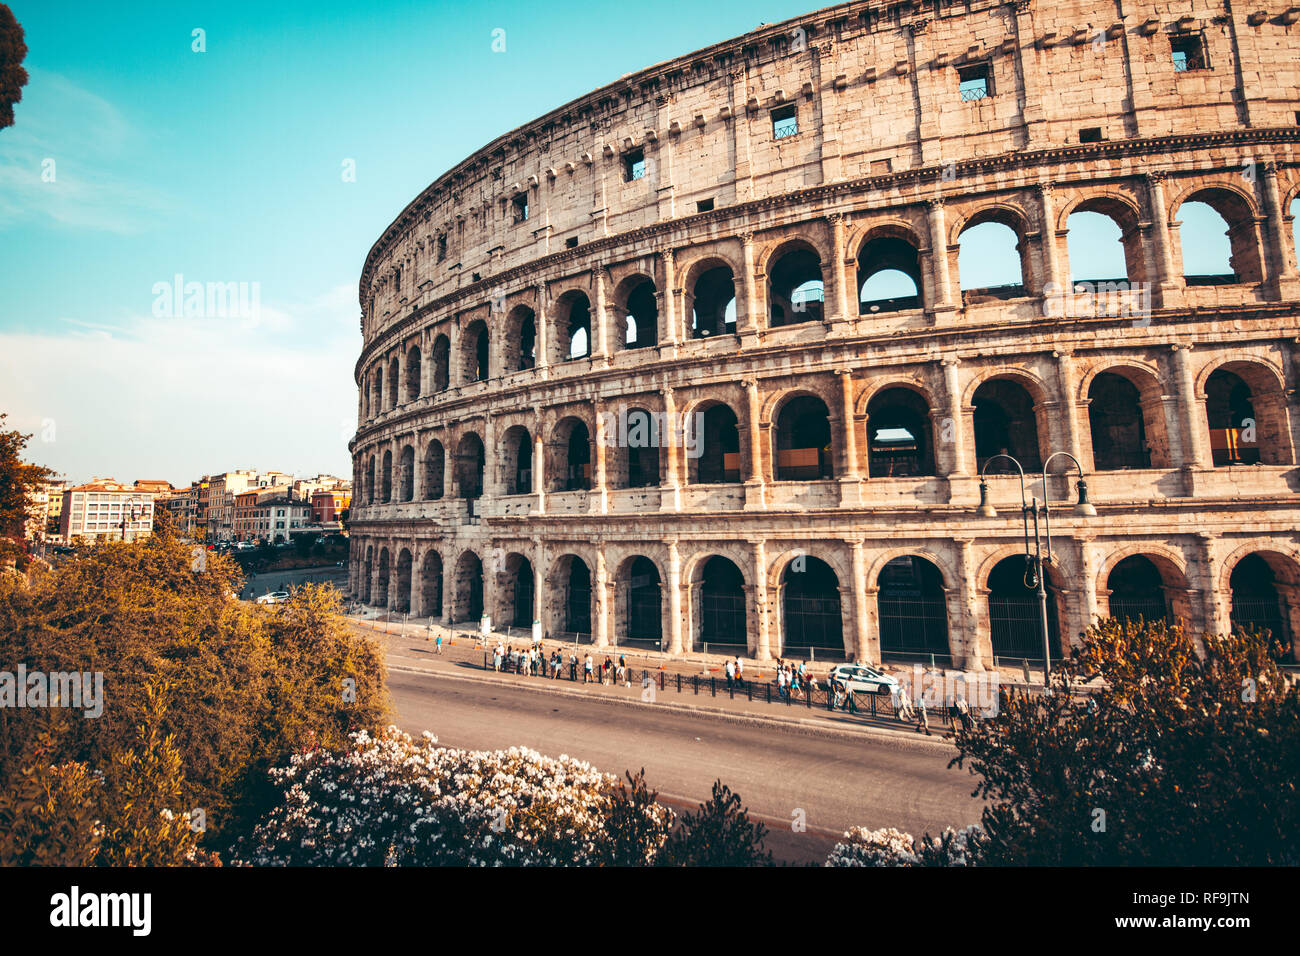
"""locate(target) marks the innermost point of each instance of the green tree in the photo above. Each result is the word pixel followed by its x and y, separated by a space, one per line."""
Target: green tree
pixel 718 834
pixel 1187 756
pixel 13 50
pixel 17 478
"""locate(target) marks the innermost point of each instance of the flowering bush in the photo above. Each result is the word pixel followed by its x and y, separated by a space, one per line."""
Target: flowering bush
pixel 890 847
pixel 390 800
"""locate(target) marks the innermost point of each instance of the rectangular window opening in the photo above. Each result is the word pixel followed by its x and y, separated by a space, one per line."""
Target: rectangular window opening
pixel 571 242
pixel 1188 52
pixel 975 82
pixel 520 206
pixel 785 121
pixel 634 165
pixel 704 205
pixel 1090 135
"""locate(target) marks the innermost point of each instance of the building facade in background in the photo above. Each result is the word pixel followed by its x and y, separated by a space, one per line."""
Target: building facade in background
pixel 105 510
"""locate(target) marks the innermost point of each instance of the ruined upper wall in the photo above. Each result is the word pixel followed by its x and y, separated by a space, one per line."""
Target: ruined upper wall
pixel 876 89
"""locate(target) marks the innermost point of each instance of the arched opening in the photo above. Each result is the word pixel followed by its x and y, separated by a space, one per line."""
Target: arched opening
pixel 810 606
pixel 441 363
pixel 431 585
pixel 1247 416
pixel 469 587
pixel 803 440
pixel 367 576
pixel 1218 238
pixel 370 480
pixel 640 311
pixel 574 578
pixel 713 309
pixel 518 463
pixel 643 602
pixel 381 581
pixel 517 586
pixel 795 289
pixel 570 459
pixel 722 603
pixel 394 370
pixel 1137 591
pixel 402 601
pixel 387 491
pixel 520 341
pixel 1005 424
pixel 719 445
pixel 406 474
pixel 1117 423
pixel 469 467
pixel 1263 601
pixel 1014 619
pixel 474 352
pixel 1101 243
pixel 989 262
pixel 572 327
pixel 912 608
pixel 639 441
pixel 889 275
pixel 413 374
pixel 899 434
pixel 377 383
pixel 434 468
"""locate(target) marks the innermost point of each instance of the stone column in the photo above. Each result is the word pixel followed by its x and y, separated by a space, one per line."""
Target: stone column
pixel 749 317
pixel 867 638
pixel 600 601
pixel 976 644
pixel 1067 384
pixel 755 492
pixel 674 598
pixel 1168 285
pixel 1282 278
pixel 1215 607
pixel 960 466
pixel 539 468
pixel 941 281
pixel 850 481
pixel 669 313
pixel 542 325
pixel 840 272
pixel 1088 584
pixel 541 598
pixel 599 318
pixel 490 460
pixel 762 632
pixel 1052 280
pixel 1191 412
pixel 600 496
pixel 670 497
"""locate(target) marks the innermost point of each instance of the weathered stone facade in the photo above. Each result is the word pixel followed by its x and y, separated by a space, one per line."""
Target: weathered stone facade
pixel 835 433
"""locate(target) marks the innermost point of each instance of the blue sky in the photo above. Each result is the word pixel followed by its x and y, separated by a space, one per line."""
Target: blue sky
pixel 226 166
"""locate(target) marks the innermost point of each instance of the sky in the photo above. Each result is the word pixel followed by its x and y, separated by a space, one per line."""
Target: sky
pixel 136 159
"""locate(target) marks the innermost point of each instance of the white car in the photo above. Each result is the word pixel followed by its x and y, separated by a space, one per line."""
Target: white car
pixel 275 597
pixel 863 679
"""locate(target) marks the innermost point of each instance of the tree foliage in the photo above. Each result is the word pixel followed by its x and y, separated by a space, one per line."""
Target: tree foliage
pixel 719 833
pixel 1188 757
pixel 17 478
pixel 13 50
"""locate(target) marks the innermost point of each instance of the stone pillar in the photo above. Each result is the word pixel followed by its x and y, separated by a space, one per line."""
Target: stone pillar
pixel 755 489
pixel 674 598
pixel 1283 281
pixel 542 325
pixel 1168 284
pixel 491 462
pixel 749 317
pixel 976 644
pixel 600 601
pixel 670 497
pixel 1191 412
pixel 600 496
pixel 1051 278
pixel 762 631
pixel 669 313
pixel 1067 384
pixel 960 465
pixel 541 597
pixel 867 638
pixel 941 281
pixel 1087 586
pixel 599 317
pixel 839 270
pixel 850 481
pixel 539 468
pixel 1215 607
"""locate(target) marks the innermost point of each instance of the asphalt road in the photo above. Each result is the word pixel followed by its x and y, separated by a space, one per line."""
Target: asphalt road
pixel 269 581
pixel 836 782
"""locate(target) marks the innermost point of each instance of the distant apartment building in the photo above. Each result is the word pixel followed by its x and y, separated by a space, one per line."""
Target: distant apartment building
pixel 327 507
pixel 269 515
pixel 105 510
pixel 44 506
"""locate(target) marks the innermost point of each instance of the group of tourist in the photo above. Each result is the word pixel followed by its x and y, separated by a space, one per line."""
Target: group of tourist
pixel 535 662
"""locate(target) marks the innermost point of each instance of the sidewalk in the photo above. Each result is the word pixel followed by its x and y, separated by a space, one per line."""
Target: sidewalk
pixel 655 683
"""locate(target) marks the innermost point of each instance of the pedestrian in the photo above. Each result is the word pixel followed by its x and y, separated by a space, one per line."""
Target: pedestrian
pixel 573 666
pixel 740 671
pixel 922 718
pixel 496 659
pixel 963 712
pixel 780 683
pixel 954 714
pixel 607 671
pixel 589 672
pixel 437 644
pixel 731 674
pixel 905 712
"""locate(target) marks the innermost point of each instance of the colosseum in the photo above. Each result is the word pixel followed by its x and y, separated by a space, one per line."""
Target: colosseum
pixel 690 364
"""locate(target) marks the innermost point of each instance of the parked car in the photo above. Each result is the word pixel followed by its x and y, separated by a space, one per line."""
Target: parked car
pixel 274 597
pixel 863 679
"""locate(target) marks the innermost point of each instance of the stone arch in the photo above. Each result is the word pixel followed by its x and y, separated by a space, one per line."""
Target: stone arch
pixel 405 564
pixel 570 454
pixel 475 351
pixel 709 298
pixel 572 326
pixel 796 281
pixel 435 464
pixel 1263 593
pixel 386 482
pixel 570 578
pixel 1009 414
pixel 638 435
pixel 1168 561
pixel 467 601
pixel 1008 216
pixel 382 572
pixel 1238 211
pixel 431 584
pixel 888 247
pixel 1121 210
pixel 1117 437
pixel 1228 409
pixel 406 474
pixel 1014 628
pixel 394 371
pixel 900 431
pixel 441 357
pixel 640 598
pixel 367 575
pixel 719 460
pixel 516 590
pixel 470 461
pixel 912 612
pixel 719 598
pixel 810 595
pixel 636 312
pixel 414 371
pixel 516 461
pixel 519 340
pixel 803 437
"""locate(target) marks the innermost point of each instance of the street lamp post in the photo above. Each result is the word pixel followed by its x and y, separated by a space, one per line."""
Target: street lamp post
pixel 129 513
pixel 1035 578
